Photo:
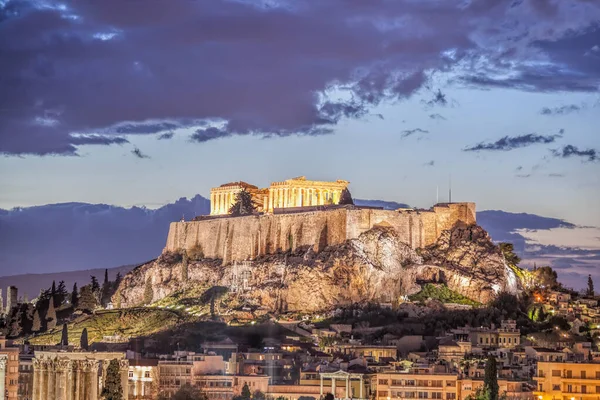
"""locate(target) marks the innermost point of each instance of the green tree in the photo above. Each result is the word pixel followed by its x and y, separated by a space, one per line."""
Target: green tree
pixel 243 204
pixel 490 378
pixel 75 296
pixel 185 392
pixel 53 293
pixel 83 341
pixel 213 295
pixel 37 321
pixel 329 396
pixel 51 315
pixel 112 386
pixel 508 250
pixel 148 292
pixel 246 395
pixel 346 197
pixel 258 395
pixel 64 339
pixel 546 278
pixel 590 287
pixel 87 301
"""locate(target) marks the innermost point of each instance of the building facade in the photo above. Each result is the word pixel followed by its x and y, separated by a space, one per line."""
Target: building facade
pixel 291 193
pixel 9 370
pixel 74 375
pixel 567 381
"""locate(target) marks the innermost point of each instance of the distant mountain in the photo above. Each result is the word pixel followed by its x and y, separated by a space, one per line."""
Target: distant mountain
pixel 78 236
pixel 30 284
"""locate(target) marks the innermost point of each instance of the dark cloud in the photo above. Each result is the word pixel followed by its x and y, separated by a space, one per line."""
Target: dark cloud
pixel 513 142
pixel 97 139
pixel 206 134
pixel 570 151
pixel 437 117
pixel 560 110
pixel 138 153
pixel 519 168
pixel 109 67
pixel 523 175
pixel 439 99
pixel 166 136
pixel 555 175
pixel 409 132
pixel 429 163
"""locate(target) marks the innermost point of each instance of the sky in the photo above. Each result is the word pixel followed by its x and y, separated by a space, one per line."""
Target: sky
pixel 142 102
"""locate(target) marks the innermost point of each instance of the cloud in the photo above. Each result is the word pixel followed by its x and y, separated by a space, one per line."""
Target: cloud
pixel 508 143
pixel 429 163
pixel 523 175
pixel 138 153
pixel 562 110
pixel 438 99
pixel 204 135
pixel 437 117
pixel 555 175
pixel 570 151
pixel 166 136
pixel 409 132
pixel 519 168
pixel 97 140
pixel 112 68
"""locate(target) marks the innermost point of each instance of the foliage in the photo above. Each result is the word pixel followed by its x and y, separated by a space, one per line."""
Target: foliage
pixel 170 257
pixel 213 295
pixel 186 392
pixel 246 392
pixel 346 197
pixel 329 396
pixel 64 340
pixel 87 300
pixel 258 395
pixel 326 341
pixel 546 278
pixel 490 379
pixel 243 204
pixel 75 296
pixel 195 253
pixel 51 316
pixel 61 294
pixel 590 287
pixel 148 292
pixel 443 294
pixel 112 386
pixel 37 321
pixel 83 341
pixel 508 250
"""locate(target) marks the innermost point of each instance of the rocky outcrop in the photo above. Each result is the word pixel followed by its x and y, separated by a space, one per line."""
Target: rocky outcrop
pixel 375 267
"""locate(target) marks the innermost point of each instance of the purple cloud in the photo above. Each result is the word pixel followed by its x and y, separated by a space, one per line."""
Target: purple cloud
pixel 107 67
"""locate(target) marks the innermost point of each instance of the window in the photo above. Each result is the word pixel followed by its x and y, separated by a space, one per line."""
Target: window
pixel 597 389
pixel 422 395
pixel 382 393
pixel 582 374
pixel 569 374
pixel 569 389
pixel 147 374
pixel 480 340
pixel 396 382
pixel 509 339
pixel 436 395
pixel 383 382
pixel 451 396
pixel 451 383
pixel 556 387
pixel 583 389
pixel 410 382
pixel 131 374
pixel 597 374
pixel 487 340
pixel 556 372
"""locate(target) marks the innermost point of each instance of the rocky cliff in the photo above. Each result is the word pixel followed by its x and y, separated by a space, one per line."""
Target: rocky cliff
pixel 377 266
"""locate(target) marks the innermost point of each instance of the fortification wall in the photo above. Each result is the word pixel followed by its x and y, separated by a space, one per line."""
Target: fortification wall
pixel 245 238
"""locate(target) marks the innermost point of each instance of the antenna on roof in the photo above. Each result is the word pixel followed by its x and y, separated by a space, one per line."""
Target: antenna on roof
pixel 450 188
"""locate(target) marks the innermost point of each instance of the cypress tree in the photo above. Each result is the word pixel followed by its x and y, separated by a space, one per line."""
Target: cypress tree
pixel 83 341
pixel 590 286
pixel 75 296
pixel 243 204
pixel 64 340
pixel 37 321
pixel 346 197
pixel 490 379
pixel 246 392
pixel 112 386
pixel 53 293
pixel 51 315
pixel 148 293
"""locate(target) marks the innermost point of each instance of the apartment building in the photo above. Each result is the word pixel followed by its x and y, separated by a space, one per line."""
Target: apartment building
pixel 9 370
pixel 568 381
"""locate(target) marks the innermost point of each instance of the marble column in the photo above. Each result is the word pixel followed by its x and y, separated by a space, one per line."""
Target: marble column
pixel 361 387
pixel 36 379
pixel 347 387
pixel 321 376
pixel 333 386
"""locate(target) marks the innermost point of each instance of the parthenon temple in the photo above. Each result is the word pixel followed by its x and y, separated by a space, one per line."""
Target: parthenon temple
pixel 291 193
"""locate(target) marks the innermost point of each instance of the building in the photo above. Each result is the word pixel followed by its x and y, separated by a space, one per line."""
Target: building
pixel 567 381
pixel 143 379
pixel 372 354
pixel 9 370
pixel 74 375
pixel 25 377
pixel 12 295
pixel 291 193
pixel 507 336
pixel 417 386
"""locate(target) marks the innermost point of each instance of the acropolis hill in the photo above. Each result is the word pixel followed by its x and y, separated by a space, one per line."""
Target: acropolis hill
pixel 303 251
pixel 299 212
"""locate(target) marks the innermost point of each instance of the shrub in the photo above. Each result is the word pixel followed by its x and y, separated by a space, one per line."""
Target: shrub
pixel 171 257
pixel 195 253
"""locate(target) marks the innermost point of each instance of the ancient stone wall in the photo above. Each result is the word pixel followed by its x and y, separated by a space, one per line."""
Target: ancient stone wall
pixel 245 238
